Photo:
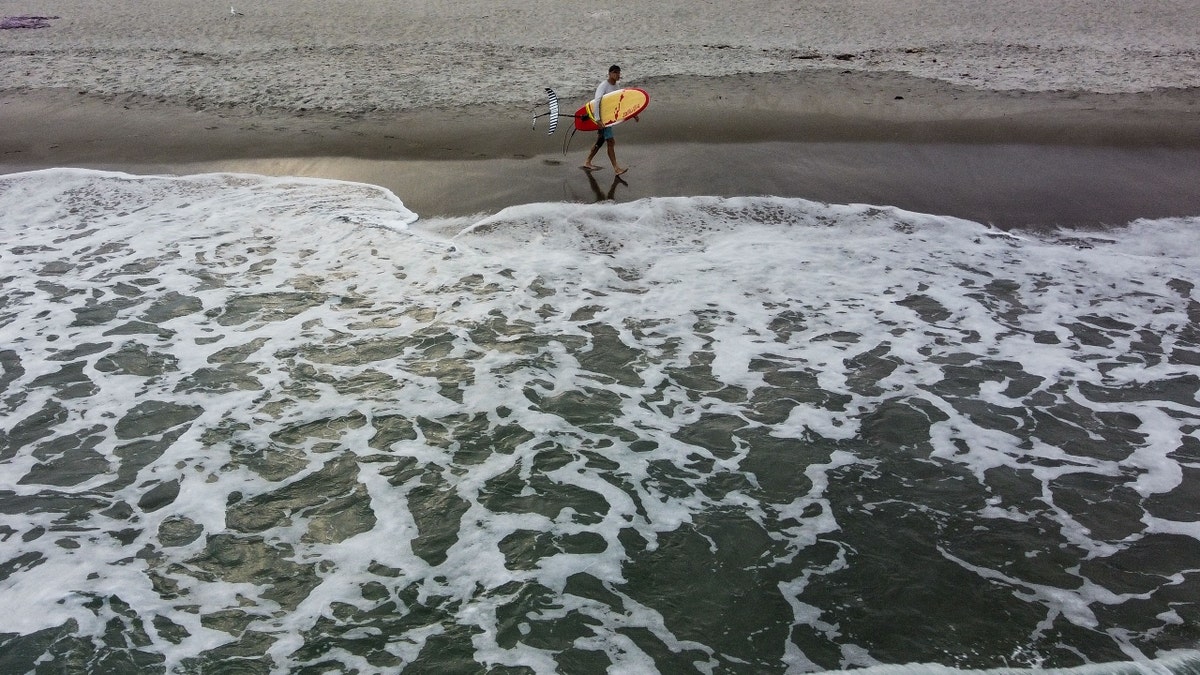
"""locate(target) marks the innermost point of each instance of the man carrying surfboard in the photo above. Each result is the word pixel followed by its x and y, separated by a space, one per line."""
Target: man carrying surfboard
pixel 605 134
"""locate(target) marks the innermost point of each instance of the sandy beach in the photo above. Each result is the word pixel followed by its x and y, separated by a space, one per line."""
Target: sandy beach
pixel 1010 113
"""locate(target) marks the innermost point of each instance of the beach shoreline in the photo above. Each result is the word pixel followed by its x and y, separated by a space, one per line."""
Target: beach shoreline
pixel 889 139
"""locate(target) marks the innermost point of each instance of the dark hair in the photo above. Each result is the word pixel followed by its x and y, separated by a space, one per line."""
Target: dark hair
pixel 614 69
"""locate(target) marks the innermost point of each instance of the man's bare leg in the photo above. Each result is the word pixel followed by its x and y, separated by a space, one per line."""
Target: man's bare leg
pixel 612 157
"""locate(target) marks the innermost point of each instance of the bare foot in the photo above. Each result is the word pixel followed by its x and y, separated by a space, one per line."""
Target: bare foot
pixel 621 171
pixel 589 167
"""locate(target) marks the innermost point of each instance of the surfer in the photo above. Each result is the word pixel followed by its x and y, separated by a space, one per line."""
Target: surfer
pixel 605 135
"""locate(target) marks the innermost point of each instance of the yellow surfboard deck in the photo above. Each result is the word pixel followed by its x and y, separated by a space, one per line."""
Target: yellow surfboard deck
pixel 615 107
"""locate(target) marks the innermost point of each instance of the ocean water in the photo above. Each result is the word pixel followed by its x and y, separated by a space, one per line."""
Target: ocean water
pixel 256 424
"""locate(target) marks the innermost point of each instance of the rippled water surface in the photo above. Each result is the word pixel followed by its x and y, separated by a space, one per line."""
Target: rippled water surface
pixel 276 425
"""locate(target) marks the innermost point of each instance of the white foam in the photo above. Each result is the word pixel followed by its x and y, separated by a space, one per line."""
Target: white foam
pixel 715 304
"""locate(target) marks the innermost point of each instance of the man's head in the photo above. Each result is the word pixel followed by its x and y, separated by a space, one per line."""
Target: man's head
pixel 614 74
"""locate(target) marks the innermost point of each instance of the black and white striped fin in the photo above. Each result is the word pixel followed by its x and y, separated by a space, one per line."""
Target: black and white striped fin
pixel 553 99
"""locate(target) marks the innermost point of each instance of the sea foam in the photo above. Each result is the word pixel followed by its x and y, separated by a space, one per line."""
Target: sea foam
pixel 285 422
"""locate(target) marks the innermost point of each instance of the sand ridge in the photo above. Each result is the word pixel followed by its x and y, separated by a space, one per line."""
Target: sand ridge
pixel 376 55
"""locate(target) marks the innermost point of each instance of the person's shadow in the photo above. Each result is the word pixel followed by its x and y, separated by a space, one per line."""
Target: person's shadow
pixel 601 196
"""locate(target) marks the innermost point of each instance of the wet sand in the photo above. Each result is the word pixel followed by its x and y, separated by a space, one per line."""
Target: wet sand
pixel 1011 159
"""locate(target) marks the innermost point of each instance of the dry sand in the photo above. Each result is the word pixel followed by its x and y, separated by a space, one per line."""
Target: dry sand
pixel 1014 112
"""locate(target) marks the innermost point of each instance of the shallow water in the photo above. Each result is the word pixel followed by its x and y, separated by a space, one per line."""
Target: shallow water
pixel 282 426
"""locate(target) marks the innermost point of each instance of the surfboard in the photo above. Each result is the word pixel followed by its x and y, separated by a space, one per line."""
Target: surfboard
pixel 615 107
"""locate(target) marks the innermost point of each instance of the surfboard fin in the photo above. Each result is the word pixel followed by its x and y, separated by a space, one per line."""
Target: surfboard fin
pixel 552 104
pixel 552 98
